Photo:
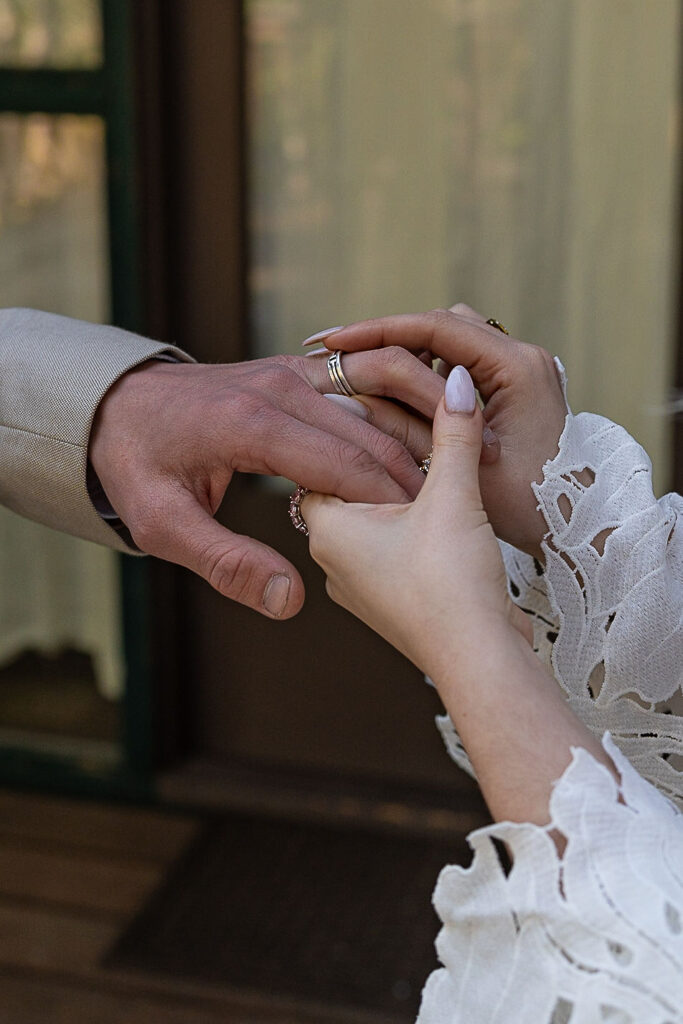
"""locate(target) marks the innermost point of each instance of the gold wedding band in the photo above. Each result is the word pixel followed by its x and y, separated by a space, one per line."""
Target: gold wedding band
pixel 339 381
pixel 492 322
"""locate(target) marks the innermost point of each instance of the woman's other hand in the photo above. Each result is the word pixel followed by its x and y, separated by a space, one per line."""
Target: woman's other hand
pixel 424 573
pixel 429 578
pixel 524 403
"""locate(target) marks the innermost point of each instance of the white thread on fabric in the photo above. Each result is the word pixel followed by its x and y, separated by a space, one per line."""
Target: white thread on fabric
pixel 608 622
pixel 591 935
pixel 597 934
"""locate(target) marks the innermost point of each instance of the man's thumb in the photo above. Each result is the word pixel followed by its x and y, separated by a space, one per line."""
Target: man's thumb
pixel 238 567
pixel 457 438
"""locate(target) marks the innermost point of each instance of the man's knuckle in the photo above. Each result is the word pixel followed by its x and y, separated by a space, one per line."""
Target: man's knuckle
pixel 358 462
pixel 398 361
pixel 286 362
pixel 285 375
pixel 391 451
pixel 228 571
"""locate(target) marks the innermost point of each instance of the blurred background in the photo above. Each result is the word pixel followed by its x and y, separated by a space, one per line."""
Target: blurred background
pixel 231 177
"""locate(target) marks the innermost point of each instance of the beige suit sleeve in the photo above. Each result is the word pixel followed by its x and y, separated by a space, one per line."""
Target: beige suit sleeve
pixel 53 373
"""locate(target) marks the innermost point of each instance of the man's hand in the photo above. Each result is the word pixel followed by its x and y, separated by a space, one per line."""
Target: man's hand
pixel 524 404
pixel 167 438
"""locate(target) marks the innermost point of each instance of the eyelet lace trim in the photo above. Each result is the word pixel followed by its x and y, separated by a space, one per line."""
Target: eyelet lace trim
pixel 608 607
pixel 593 935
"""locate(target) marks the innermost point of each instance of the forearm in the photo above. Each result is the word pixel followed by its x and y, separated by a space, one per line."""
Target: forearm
pixel 514 723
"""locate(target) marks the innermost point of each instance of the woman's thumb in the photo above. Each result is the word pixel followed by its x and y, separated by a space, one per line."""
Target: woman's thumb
pixel 457 438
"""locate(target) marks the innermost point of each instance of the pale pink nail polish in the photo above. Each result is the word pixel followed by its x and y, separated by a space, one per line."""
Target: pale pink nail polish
pixel 320 335
pixel 460 395
pixel 317 352
pixel 350 404
pixel 488 436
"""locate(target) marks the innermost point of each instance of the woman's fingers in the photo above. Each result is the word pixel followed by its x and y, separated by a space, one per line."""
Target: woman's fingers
pixel 483 350
pixel 465 311
pixel 320 512
pixel 457 442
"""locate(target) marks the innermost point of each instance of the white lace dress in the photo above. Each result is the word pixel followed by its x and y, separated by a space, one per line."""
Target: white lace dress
pixel 596 935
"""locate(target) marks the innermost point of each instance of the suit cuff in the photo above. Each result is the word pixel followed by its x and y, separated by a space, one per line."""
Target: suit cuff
pixel 54 371
pixel 96 491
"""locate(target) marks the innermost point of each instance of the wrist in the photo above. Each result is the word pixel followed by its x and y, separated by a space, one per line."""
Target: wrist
pixel 481 644
pixel 475 657
pixel 114 410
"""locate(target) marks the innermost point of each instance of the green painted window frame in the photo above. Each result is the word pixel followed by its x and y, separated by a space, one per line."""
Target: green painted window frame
pixel 108 92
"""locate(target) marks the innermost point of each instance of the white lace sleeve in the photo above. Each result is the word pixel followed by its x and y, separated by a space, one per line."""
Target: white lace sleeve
pixel 594 935
pixel 608 608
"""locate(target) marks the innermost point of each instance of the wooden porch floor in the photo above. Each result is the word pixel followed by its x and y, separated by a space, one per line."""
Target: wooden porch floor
pixel 72 875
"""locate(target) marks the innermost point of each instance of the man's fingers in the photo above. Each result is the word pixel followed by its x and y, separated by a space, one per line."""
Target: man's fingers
pixel 385 431
pixel 412 433
pixel 318 458
pixel 238 567
pixel 483 350
pixel 443 368
pixel 392 373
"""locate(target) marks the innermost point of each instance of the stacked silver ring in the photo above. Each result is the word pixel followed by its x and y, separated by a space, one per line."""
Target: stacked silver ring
pixel 339 381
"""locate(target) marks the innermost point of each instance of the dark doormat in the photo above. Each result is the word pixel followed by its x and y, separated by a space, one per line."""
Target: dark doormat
pixel 304 911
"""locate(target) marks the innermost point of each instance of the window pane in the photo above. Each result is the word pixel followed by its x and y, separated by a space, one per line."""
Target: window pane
pixel 50 33
pixel 53 235
pixel 513 154
pixel 61 660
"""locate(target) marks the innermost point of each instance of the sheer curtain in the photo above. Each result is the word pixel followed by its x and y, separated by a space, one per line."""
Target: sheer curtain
pixel 518 155
pixel 57 592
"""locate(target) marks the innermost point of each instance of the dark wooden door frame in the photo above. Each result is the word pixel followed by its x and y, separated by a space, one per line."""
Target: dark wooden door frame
pixel 188 105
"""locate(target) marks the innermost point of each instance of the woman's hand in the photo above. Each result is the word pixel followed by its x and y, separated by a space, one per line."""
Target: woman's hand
pixel 524 404
pixel 429 578
pixel 422 573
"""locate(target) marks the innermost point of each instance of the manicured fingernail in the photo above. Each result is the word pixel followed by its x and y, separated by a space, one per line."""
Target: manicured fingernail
pixel 488 437
pixel 350 404
pixel 317 352
pixel 276 593
pixel 320 335
pixel 460 395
